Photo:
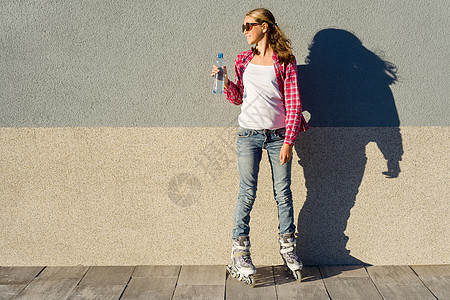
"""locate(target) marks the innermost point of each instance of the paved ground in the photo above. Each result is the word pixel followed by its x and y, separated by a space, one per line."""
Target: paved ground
pixel 212 282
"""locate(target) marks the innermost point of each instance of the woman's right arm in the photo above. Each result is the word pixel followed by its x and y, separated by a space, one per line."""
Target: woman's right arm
pixel 235 90
pixel 232 90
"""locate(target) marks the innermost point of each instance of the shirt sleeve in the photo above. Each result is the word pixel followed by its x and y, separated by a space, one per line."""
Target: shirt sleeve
pixel 235 89
pixel 295 122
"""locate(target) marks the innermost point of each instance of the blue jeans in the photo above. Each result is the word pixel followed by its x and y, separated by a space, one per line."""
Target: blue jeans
pixel 250 145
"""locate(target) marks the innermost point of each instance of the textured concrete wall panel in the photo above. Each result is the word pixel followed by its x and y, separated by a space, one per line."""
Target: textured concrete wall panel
pixel 118 196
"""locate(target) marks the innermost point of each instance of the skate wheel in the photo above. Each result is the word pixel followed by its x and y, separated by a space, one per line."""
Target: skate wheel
pixel 251 281
pixel 297 275
pixel 229 270
pixel 232 272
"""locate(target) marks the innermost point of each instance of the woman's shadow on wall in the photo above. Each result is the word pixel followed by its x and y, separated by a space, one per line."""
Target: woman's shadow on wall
pixel 345 88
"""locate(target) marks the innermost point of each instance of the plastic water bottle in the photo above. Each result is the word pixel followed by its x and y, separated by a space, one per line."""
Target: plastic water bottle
pixel 219 78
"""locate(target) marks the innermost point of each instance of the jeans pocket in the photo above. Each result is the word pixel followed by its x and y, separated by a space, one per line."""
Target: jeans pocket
pixel 244 132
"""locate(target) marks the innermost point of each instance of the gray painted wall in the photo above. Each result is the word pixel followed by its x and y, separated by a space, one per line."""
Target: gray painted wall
pixel 147 63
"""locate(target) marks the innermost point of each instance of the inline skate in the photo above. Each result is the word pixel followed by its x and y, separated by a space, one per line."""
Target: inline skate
pixel 241 266
pixel 288 254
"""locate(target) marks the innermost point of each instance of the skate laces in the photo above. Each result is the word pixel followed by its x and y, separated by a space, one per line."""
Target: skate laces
pixel 246 260
pixel 287 250
pixel 291 255
pixel 243 255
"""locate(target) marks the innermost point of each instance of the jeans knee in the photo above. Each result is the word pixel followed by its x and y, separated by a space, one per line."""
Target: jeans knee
pixel 246 198
pixel 283 199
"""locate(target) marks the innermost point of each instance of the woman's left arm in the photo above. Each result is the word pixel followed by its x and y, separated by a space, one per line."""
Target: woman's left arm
pixel 295 122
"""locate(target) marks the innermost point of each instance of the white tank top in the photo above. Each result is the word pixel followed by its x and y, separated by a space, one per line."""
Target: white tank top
pixel 263 107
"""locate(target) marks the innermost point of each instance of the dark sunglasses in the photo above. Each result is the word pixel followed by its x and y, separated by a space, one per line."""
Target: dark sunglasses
pixel 248 26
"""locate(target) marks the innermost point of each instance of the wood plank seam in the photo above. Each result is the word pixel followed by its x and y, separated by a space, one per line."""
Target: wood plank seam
pixel 26 285
pixel 226 280
pixel 274 282
pixel 423 282
pixel 38 274
pixel 84 275
pixel 79 281
pixel 176 283
pixel 323 281
pixel 126 285
pixel 371 280
pixel 225 286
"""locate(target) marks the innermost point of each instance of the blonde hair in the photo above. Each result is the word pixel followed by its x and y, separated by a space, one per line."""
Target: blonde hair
pixel 277 40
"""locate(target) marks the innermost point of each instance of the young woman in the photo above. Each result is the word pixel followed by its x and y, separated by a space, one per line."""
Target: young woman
pixel 271 119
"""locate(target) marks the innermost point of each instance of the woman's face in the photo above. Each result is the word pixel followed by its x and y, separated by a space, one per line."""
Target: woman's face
pixel 255 34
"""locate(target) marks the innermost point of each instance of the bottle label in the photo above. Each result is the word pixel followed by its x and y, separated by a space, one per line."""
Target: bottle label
pixel 220 75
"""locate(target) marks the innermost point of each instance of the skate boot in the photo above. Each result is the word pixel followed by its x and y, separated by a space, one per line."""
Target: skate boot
pixel 241 266
pixel 287 251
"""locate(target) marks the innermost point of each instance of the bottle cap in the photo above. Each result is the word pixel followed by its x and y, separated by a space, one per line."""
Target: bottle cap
pixel 220 55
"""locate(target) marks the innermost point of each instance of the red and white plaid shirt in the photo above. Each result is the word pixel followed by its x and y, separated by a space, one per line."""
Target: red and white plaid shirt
pixel 287 82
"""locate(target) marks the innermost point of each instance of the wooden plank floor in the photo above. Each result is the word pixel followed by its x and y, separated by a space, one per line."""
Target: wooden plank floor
pixel 212 282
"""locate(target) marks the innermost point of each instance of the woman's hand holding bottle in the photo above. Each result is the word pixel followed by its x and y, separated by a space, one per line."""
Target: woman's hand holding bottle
pixel 216 70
